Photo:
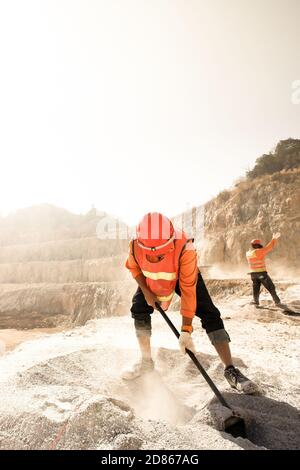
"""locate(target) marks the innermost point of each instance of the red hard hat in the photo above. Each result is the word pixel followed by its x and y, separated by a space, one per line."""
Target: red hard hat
pixel 155 232
pixel 256 241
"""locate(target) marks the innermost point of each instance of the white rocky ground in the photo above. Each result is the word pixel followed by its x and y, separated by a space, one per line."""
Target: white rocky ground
pixel 63 390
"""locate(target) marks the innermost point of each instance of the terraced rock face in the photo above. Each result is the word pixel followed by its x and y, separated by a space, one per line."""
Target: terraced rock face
pixel 46 244
pixel 51 305
pixel 59 269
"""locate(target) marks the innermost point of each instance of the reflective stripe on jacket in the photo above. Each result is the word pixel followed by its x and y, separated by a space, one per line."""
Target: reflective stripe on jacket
pixel 166 272
pixel 161 277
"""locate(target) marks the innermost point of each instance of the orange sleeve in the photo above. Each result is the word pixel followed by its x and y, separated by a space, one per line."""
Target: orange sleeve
pixel 131 264
pixel 188 275
pixel 262 252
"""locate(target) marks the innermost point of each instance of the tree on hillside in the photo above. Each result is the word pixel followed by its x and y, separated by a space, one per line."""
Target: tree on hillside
pixel 285 157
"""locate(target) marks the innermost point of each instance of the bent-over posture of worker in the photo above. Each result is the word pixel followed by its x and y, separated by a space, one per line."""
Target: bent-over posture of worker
pixel 258 271
pixel 163 261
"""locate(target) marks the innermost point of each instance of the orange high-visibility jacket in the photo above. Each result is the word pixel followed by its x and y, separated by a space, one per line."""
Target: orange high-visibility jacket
pixel 256 257
pixel 180 263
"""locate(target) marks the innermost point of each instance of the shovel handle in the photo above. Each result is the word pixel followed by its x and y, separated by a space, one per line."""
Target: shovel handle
pixel 194 359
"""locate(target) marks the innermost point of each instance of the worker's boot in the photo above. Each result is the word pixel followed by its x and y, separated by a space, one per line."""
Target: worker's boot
pixel 239 381
pixel 142 367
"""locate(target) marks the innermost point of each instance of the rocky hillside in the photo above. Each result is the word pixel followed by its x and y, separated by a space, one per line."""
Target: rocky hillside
pixel 254 209
pixel 264 202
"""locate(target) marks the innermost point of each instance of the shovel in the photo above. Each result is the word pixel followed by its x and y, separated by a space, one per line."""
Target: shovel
pixel 234 424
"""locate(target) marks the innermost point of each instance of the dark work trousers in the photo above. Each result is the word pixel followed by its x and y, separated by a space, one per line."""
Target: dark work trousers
pixel 207 312
pixel 264 279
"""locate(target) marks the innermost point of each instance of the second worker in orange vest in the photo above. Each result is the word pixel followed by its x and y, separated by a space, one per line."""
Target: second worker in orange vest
pixel 163 261
pixel 258 271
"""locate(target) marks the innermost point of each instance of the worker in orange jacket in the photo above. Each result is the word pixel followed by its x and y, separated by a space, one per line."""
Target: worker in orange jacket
pixel 257 264
pixel 163 261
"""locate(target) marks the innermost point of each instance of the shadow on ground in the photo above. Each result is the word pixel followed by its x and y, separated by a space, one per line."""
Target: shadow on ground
pixel 272 424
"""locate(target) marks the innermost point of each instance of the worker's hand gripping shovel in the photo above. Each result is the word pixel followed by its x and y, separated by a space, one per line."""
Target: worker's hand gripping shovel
pixel 234 424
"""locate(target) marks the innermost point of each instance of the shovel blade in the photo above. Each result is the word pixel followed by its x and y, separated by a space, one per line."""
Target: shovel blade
pixel 235 426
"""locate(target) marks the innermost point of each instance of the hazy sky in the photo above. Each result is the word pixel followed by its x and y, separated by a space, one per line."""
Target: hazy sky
pixel 137 105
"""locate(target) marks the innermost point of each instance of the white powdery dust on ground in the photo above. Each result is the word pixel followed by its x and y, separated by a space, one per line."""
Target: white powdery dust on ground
pixel 64 390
